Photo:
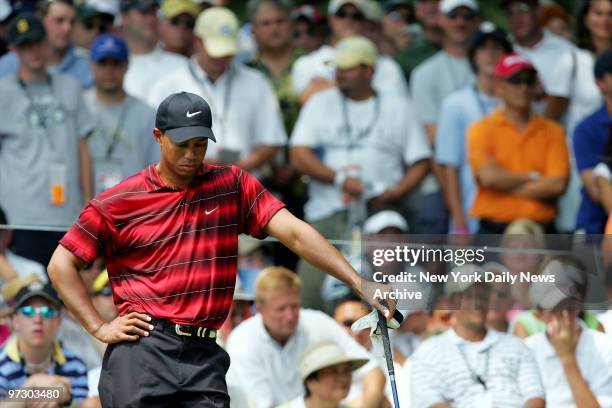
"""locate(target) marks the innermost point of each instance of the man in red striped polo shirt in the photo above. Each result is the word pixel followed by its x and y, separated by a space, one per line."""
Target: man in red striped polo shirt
pixel 169 236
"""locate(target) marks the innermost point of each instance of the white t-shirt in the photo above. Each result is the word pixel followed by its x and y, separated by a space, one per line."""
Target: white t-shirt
pixel 24 266
pixel 388 77
pixel 605 319
pixel 443 369
pixel 300 403
pixel 268 370
pixel 384 137
pixel 434 79
pixel 246 117
pixel 594 357
pixel 93 379
pixel 144 70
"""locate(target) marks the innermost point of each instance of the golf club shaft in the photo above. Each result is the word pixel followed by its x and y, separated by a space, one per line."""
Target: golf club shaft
pixel 382 321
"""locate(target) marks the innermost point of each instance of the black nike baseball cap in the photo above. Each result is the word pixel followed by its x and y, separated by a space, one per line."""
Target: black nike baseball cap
pixel 183 116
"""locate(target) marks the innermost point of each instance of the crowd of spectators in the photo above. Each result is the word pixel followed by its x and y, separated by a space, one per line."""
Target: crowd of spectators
pixel 366 118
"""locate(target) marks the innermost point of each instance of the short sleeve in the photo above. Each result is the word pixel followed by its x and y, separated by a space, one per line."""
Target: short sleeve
pixel 450 133
pixel 88 237
pixel 305 129
pixel 586 150
pixel 558 80
pixel 391 79
pixel 269 129
pixel 417 146
pixel 557 160
pixel 530 382
pixel 257 205
pixel 85 120
pixel 422 89
pixel 299 74
pixel 478 149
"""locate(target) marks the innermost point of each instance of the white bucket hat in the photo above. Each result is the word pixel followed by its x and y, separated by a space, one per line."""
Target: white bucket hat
pixel 325 354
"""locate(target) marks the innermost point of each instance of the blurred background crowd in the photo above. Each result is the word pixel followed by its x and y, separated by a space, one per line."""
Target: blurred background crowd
pixel 367 118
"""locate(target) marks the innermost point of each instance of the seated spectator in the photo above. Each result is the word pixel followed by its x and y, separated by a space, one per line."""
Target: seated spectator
pixel 325 371
pixel 521 171
pixel 469 365
pixel 34 358
pixel 12 265
pixel 176 22
pixel 575 362
pixel 266 348
pixel 93 18
pixel 592 143
pixel 556 20
pixel 122 143
pixel 533 321
pixel 62 57
pixel 348 311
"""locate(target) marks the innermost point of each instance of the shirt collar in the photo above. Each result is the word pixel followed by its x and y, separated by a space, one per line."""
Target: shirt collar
pixel 202 77
pixel 12 351
pixel 490 339
pixel 153 181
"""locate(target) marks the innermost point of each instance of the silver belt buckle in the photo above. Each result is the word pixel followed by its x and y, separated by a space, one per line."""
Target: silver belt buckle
pixel 177 329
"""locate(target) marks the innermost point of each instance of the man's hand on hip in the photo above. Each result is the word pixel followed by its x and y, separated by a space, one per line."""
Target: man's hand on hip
pixel 124 328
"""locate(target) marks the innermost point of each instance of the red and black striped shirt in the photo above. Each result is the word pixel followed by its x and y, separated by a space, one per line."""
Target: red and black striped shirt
pixel 173 253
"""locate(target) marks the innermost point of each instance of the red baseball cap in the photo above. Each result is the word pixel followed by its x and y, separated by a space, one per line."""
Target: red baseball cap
pixel 512 64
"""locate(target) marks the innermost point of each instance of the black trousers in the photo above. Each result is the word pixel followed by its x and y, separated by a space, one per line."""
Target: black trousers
pixel 164 370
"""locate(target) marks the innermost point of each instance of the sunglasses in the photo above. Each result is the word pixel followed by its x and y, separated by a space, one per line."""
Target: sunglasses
pixel 351 16
pixel 188 23
pixel 517 8
pixel 466 15
pixel 347 323
pixel 531 81
pixel 101 26
pixel 45 312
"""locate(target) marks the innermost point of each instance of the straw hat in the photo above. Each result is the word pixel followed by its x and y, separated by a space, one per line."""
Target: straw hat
pixel 325 354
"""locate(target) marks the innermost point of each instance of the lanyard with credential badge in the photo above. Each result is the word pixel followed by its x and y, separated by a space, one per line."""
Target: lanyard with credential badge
pixel 482 380
pixel 363 133
pixel 209 97
pixel 115 136
pixel 40 115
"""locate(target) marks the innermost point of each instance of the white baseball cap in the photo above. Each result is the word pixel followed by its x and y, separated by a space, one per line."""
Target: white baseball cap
pixel 218 29
pixel 325 354
pixel 446 6
pixel 384 219
pixel 567 277
pixel 453 286
pixel 335 5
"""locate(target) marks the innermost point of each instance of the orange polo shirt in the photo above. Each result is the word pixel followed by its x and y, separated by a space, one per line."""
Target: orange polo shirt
pixel 540 147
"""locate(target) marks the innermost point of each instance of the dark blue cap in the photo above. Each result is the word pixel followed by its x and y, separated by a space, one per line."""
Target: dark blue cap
pixel 183 116
pixel 108 46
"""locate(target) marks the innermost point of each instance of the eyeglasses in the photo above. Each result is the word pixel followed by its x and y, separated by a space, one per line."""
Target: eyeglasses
pixel 351 16
pixel 531 81
pixel 186 22
pixel 465 14
pixel 45 312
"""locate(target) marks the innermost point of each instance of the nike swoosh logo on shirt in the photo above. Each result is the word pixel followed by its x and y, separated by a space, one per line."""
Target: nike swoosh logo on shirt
pixel 208 212
pixel 191 115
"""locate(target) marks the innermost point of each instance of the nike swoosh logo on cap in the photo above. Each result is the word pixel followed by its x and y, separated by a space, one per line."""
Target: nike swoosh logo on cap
pixel 190 115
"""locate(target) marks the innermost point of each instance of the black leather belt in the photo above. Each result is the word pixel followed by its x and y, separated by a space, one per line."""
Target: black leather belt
pixel 184 330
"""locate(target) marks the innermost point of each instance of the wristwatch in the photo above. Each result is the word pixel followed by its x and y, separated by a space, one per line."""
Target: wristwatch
pixel 533 175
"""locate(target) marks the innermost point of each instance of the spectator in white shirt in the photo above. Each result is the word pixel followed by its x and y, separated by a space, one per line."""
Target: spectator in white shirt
pixel 575 362
pixel 148 63
pixel 469 365
pixel 246 113
pixel 356 145
pixel 312 73
pixel 326 373
pixel 266 348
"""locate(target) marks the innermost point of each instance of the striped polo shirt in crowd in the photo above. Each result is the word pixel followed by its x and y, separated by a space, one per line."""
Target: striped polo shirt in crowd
pixel 172 253
pixel 443 369
pixel 13 370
